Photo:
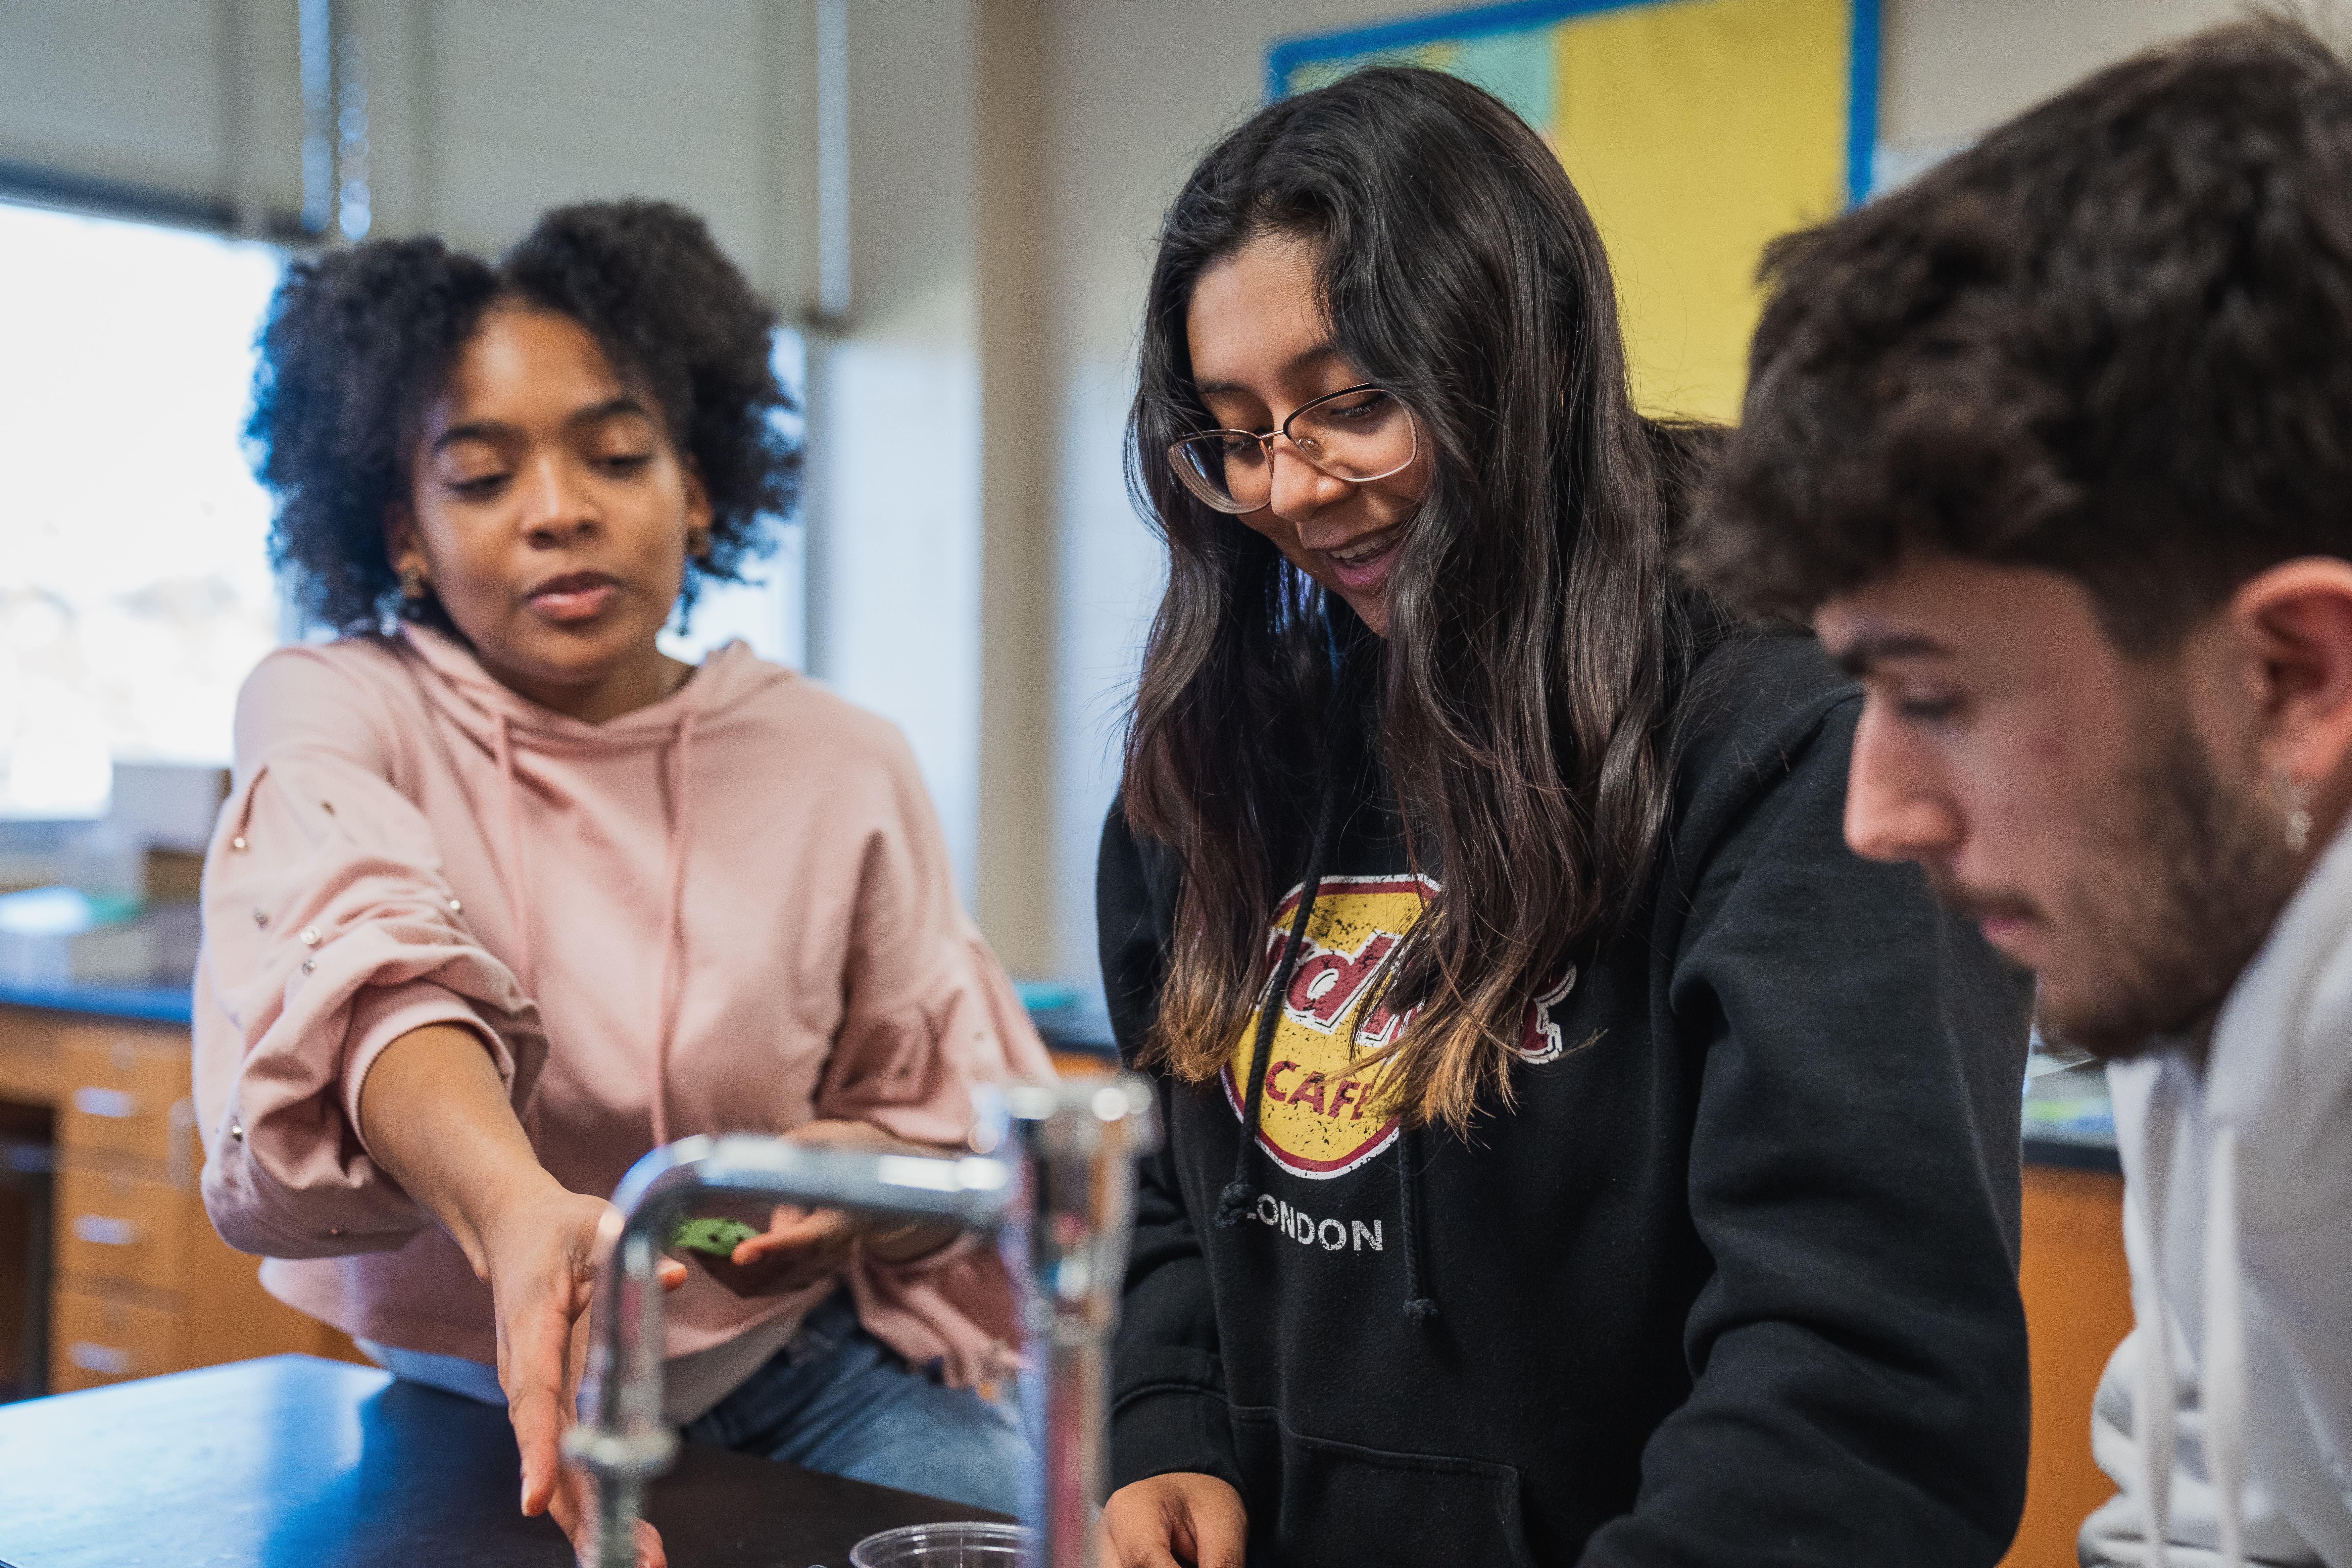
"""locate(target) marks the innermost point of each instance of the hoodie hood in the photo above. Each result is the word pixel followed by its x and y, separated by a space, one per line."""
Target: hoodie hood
pixel 508 724
pixel 475 699
pixel 2241 1220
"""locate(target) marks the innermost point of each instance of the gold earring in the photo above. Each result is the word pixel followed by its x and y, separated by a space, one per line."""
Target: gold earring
pixel 411 582
pixel 2294 798
pixel 697 545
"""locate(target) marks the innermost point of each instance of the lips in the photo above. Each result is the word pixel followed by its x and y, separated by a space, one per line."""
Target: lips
pixel 573 596
pixel 1360 565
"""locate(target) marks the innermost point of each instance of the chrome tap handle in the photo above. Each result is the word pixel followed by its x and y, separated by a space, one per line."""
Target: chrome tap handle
pixel 1053 1178
pixel 622 1440
pixel 1079 1142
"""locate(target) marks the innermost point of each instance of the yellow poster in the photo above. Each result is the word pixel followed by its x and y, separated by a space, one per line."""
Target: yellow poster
pixel 1696 130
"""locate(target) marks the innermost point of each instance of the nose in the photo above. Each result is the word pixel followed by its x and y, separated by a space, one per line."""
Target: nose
pixel 556 509
pixel 1896 804
pixel 1299 488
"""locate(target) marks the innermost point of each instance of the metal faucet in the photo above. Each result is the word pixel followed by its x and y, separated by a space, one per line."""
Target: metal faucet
pixel 1051 1175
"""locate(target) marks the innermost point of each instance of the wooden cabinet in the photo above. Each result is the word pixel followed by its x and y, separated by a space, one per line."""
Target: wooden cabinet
pixel 143 1285
pixel 115 1226
pixel 2077 1290
pixel 123 1091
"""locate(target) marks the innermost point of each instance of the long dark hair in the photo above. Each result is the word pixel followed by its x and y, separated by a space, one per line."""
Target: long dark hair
pixel 1523 694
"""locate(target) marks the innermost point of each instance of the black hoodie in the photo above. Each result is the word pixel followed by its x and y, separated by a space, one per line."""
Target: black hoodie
pixel 1734 1284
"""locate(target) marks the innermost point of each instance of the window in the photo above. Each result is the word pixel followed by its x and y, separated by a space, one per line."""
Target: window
pixel 767 610
pixel 135 590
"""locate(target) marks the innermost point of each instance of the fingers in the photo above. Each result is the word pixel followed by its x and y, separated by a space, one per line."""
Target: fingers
pixel 1219 1531
pixel 1146 1557
pixel 570 1506
pixel 1112 1553
pixel 575 1510
pixel 1178 1521
pixel 815 1231
pixel 536 1375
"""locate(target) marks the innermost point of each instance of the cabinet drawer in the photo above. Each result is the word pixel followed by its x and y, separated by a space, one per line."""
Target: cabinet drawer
pixel 98 1340
pixel 116 1094
pixel 122 1227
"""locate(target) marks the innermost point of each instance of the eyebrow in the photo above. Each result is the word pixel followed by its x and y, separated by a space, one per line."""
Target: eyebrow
pixel 1871 648
pixel 1290 366
pixel 496 430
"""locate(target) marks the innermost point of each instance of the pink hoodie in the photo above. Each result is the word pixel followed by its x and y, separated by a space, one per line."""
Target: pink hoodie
pixel 730 909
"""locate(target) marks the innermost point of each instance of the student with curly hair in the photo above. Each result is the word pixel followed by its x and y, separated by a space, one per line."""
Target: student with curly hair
pixel 505 896
pixel 2053 447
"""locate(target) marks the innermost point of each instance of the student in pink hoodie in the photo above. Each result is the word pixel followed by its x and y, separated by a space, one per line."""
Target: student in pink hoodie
pixel 504 896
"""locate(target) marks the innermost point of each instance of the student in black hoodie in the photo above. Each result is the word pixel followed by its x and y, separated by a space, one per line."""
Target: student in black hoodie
pixel 1627 1173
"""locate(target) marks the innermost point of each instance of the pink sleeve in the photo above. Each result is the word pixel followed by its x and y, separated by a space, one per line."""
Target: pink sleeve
pixel 929 1011
pixel 930 1015
pixel 329 932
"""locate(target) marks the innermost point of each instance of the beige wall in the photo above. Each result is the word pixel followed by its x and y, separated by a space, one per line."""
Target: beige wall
pixel 1953 67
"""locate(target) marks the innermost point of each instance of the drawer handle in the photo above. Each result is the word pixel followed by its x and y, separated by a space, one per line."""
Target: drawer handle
pixel 105 1230
pixel 92 1100
pixel 98 1358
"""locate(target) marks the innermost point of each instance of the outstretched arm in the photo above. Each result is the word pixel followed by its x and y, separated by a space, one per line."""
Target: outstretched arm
pixel 434 1114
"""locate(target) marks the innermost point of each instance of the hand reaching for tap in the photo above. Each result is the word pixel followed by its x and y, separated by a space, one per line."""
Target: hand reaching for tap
pixel 435 1115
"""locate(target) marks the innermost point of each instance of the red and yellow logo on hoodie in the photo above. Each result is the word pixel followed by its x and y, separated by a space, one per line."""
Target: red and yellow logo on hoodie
pixel 1314 1119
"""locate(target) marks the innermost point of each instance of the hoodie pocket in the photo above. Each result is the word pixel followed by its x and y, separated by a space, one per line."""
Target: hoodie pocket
pixel 1317 1503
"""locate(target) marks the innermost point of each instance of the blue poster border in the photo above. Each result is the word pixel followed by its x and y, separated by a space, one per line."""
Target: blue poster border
pixel 1862 63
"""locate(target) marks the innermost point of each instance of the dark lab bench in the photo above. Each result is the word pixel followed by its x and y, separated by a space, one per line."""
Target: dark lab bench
pixel 296 1462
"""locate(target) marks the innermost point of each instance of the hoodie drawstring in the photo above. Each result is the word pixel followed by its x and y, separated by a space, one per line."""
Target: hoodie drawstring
pixel 2222 1356
pixel 2152 1407
pixel 673 920
pixel 2222 1370
pixel 1239 1198
pixel 1420 1307
pixel 1234 1204
pixel 518 857
pixel 517 854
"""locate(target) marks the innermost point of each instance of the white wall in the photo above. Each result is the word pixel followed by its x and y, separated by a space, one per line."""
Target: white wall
pixel 896 557
pixel 1952 69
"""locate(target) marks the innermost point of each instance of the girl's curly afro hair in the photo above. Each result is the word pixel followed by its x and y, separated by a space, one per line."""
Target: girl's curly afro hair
pixel 358 343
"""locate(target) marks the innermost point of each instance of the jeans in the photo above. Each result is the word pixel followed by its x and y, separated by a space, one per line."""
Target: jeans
pixel 838 1400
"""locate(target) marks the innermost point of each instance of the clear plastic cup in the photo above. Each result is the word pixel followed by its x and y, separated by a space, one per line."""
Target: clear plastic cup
pixel 964 1546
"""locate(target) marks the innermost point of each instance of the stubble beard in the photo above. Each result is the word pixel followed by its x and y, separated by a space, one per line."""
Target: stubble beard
pixel 2173 905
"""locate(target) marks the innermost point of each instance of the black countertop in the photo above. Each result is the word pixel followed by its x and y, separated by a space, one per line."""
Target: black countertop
pixel 295 1462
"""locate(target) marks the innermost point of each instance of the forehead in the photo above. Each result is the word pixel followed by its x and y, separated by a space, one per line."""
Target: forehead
pixel 522 356
pixel 1256 307
pixel 1943 611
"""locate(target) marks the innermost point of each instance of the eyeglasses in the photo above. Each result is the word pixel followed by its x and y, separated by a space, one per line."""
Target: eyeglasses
pixel 1359 433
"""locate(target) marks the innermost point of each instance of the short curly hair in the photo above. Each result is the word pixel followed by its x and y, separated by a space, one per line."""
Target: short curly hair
pixel 358 344
pixel 2113 339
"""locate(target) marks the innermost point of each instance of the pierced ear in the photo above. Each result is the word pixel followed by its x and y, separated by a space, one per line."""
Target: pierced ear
pixel 2295 623
pixel 400 546
pixel 698 502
